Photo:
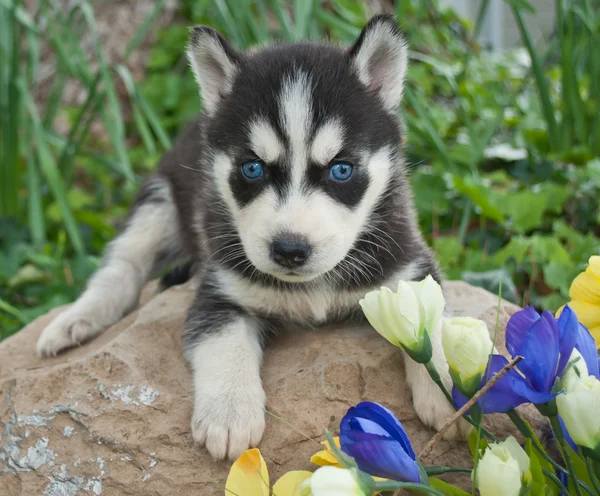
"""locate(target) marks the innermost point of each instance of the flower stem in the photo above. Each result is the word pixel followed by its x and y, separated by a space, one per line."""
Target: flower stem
pixel 590 468
pixel 560 438
pixel 435 376
pixel 556 481
pixel 437 470
pixel 392 485
pixel 524 429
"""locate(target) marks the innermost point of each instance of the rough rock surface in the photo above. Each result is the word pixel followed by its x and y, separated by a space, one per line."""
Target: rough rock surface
pixel 112 417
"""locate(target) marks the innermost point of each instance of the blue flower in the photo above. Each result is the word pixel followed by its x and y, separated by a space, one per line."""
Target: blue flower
pixel 546 345
pixel 374 437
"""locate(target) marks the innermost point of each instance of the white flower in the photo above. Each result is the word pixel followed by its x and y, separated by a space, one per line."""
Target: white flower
pixel 579 408
pixel 502 468
pixel 403 317
pixel 467 346
pixel 332 481
pixel 505 152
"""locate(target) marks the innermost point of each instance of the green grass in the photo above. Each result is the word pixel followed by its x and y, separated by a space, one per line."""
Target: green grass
pixel 528 223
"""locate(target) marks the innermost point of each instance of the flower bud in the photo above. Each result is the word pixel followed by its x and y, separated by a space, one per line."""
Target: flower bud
pixel 332 481
pixel 579 408
pixel 503 469
pixel 467 346
pixel 406 316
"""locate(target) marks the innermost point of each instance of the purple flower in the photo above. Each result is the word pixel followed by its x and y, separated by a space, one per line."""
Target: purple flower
pixel 374 437
pixel 546 345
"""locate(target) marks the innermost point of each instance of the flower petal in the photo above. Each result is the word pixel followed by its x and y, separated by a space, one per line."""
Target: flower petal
pixel 518 327
pixel 432 302
pixel 568 328
pixel 586 345
pixel 540 352
pixel 588 314
pixel 507 393
pixel 594 265
pixel 382 457
pixel 289 483
pixel 586 288
pixel 249 475
pixel 324 458
pixel 409 305
pixel 380 416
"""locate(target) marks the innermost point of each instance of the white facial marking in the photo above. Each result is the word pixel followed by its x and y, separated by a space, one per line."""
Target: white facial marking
pixel 328 142
pixel 314 305
pixel 296 115
pixel 264 141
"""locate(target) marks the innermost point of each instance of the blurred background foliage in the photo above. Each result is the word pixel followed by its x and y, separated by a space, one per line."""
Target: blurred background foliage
pixel 503 149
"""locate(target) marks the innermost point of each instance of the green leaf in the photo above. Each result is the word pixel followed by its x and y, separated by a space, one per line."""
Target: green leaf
pixel 479 195
pixel 445 488
pixel 580 469
pixel 540 484
pixel 472 441
pixel 492 281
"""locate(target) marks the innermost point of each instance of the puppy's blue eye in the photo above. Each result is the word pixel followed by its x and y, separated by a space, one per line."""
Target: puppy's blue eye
pixel 340 171
pixel 253 169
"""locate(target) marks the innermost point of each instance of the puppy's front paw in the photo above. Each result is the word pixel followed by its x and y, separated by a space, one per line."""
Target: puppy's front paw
pixel 434 410
pixel 67 330
pixel 228 424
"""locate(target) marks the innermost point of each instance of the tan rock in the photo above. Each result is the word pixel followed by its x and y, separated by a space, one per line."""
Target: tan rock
pixel 112 417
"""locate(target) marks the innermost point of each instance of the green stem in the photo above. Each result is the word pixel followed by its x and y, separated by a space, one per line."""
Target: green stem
pixel 560 438
pixel 438 470
pixel 528 433
pixel 392 486
pixel 556 481
pixel 590 468
pixel 435 376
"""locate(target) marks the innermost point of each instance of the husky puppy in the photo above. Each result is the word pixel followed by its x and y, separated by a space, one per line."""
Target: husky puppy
pixel 290 198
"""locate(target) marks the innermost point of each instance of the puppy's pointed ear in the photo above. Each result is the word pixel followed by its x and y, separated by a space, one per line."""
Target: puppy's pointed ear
pixel 214 63
pixel 380 58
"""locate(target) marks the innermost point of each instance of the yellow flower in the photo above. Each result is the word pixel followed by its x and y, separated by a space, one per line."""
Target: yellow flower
pixel 249 476
pixel 585 297
pixel 326 457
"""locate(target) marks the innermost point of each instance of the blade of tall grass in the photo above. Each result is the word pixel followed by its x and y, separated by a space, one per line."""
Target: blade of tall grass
pixel 138 118
pixel 285 22
pixel 10 58
pixel 154 121
pixel 79 129
pixel 331 20
pixel 144 28
pixel 433 135
pixel 303 11
pixel 112 115
pixel 574 124
pixel 35 211
pixel 20 15
pixel 15 312
pixel 540 78
pixel 50 171
pixel 234 31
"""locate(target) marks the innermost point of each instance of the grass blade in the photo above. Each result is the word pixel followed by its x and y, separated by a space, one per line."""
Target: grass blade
pixel 51 172
pixel 144 28
pixel 540 78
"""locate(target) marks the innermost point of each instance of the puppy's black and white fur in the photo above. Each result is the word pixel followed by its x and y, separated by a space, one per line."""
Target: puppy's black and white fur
pixel 290 199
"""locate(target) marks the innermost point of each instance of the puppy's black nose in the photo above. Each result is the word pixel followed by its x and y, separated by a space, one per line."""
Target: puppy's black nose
pixel 290 253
